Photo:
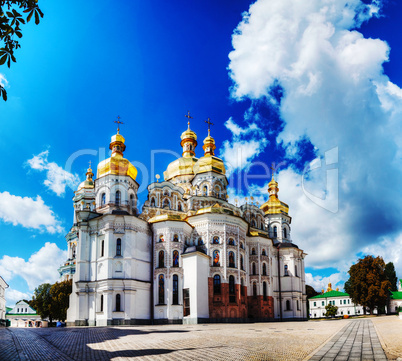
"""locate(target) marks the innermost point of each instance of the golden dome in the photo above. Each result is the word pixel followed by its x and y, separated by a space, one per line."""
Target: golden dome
pixel 181 166
pixel 209 164
pixel 117 164
pixel 188 134
pixel 87 183
pixel 274 205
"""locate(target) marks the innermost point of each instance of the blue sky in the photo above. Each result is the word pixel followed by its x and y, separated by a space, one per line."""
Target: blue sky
pixel 302 84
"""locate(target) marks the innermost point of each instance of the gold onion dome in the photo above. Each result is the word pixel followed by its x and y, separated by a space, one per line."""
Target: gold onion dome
pixel 274 205
pixel 185 164
pixel 209 163
pixel 87 183
pixel 117 164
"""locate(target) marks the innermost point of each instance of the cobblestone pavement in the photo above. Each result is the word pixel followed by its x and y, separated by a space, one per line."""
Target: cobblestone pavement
pixel 389 330
pixel 357 341
pixel 259 341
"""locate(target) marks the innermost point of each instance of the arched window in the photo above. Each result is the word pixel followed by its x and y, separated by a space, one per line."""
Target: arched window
pixel 242 287
pixel 166 203
pixel 175 238
pixel 232 297
pixel 101 303
pixel 118 198
pixel 118 305
pixel 179 208
pixel 241 263
pixel 231 242
pixel 103 199
pixel 264 269
pixel 175 289
pixel 253 251
pixel 161 290
pixel 102 248
pixel 152 202
pixel 284 233
pixel 232 259
pixel 287 305
pixel 264 291
pixel 200 241
pixel 217 285
pixel 205 191
pixel 241 245
pixel 286 270
pixel 132 201
pixel 216 258
pixel 118 247
pixel 275 231
pixel 73 251
pixel 161 259
pixel 254 290
pixel 263 252
pixel 253 266
pixel 215 240
pixel 253 224
pixel 298 307
pixel 175 259
pixel 161 239
pixel 296 271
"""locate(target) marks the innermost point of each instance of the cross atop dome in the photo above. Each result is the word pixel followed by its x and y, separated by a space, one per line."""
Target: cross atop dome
pixel 188 116
pixel 118 123
pixel 209 125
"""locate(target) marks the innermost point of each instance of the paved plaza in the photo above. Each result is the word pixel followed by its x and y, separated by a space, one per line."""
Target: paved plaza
pixel 316 340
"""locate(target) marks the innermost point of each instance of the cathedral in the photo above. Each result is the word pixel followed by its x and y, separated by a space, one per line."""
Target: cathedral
pixel 189 256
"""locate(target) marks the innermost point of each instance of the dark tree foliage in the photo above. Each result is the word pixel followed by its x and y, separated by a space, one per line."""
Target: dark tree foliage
pixel 60 292
pixel 51 301
pixel 13 14
pixel 391 276
pixel 368 284
pixel 331 310
pixel 42 301
pixel 310 292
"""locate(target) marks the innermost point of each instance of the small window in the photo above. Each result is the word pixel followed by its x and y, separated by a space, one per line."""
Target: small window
pixel 232 297
pixel 175 238
pixel 242 287
pixel 254 290
pixel 231 242
pixel 161 239
pixel 103 199
pixel 215 240
pixel 296 271
pixel 286 270
pixel 348 301
pixel 253 252
pixel 179 207
pixel 118 305
pixel 102 248
pixel 118 198
pixel 315 304
pixel 264 269
pixel 132 200
pixel 175 259
pixel 298 306
pixel 118 247
pixel 275 231
pixel 152 202
pixel 175 289
pixel 101 303
pixel 287 305
pixel 264 291
pixel 241 263
pixel 241 245
pixel 200 241
pixel 263 253
pixel 217 285
pixel 322 303
pixel 285 234
pixel 161 290
pixel 232 259
pixel 205 191
pixel 253 267
pixel 216 258
pixel 161 258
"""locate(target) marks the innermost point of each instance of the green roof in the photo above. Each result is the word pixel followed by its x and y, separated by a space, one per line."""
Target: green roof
pixel 396 296
pixel 331 294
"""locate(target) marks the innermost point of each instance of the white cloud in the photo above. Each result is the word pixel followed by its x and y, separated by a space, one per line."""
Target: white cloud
pixel 335 94
pixel 56 177
pixel 245 145
pixel 40 268
pixel 13 296
pixel 28 212
pixel 3 80
pixel 321 283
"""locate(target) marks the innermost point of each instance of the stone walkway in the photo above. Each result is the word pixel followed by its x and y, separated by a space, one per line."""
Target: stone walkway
pixel 357 341
pixel 315 340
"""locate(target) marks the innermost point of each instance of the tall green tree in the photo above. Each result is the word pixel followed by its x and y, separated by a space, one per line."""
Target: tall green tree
pixel 13 14
pixel 368 284
pixel 42 301
pixel 391 276
pixel 60 293
pixel 331 310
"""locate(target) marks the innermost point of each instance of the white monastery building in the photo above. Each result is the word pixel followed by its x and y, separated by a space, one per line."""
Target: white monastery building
pixel 190 256
pixel 340 299
pixel 3 286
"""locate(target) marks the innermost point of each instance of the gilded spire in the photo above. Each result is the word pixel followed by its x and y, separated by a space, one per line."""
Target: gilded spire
pixel 188 140
pixel 89 173
pixel 209 142
pixel 117 143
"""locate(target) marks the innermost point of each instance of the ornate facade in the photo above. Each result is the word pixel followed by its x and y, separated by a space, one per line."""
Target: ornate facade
pixel 189 256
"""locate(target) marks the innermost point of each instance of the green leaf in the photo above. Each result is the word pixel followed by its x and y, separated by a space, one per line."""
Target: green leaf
pixel 3 59
pixel 30 16
pixel 36 18
pixel 10 14
pixel 19 34
pixel 3 93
